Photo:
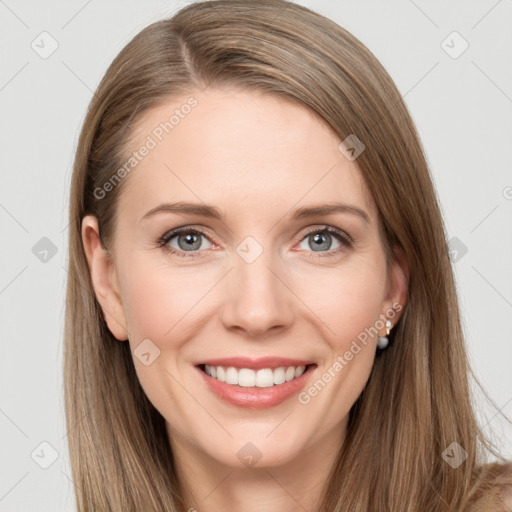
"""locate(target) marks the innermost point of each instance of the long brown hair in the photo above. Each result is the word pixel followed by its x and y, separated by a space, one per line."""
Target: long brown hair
pixel 417 400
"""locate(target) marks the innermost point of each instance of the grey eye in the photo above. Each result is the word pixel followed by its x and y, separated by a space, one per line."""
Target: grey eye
pixel 320 241
pixel 189 241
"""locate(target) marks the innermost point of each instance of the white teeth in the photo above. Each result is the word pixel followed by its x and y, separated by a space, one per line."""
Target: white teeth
pixel 231 376
pixel 279 376
pixel 248 378
pixel 299 371
pixel 265 378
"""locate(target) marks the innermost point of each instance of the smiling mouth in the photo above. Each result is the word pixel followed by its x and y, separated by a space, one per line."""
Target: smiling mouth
pixel 249 378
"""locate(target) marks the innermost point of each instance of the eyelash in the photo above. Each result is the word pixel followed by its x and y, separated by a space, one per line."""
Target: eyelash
pixel 342 237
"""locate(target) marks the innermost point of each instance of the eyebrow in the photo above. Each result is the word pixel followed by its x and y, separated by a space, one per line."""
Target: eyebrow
pixel 213 212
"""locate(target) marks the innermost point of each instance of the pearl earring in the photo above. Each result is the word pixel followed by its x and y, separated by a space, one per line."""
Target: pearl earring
pixel 383 341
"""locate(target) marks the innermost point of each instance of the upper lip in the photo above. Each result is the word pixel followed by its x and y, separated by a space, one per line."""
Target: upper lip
pixel 256 364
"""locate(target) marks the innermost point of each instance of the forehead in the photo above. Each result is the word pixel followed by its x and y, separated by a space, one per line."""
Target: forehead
pixel 240 148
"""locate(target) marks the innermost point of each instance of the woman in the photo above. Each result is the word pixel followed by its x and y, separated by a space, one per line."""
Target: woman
pixel 262 312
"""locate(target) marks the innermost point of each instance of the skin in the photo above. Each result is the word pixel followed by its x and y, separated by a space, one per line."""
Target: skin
pixel 257 158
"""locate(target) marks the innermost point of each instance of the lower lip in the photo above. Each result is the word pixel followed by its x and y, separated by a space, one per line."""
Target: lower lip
pixel 254 397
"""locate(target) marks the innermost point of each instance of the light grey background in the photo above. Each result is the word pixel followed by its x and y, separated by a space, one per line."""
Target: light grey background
pixel 463 110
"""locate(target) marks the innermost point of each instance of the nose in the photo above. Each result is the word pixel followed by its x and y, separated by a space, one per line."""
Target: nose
pixel 257 299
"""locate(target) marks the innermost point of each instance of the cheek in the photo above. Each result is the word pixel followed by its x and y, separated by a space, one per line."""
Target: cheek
pixel 159 300
pixel 162 305
pixel 346 300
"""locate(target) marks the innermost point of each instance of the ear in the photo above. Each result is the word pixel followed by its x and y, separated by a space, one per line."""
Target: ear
pixel 104 278
pixel 398 285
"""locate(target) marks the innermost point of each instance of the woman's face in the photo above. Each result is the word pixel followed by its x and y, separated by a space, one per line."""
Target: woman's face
pixel 253 282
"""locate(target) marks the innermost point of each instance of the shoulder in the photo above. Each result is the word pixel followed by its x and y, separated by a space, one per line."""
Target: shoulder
pixel 505 490
pixel 492 488
pixel 505 495
pixel 504 483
